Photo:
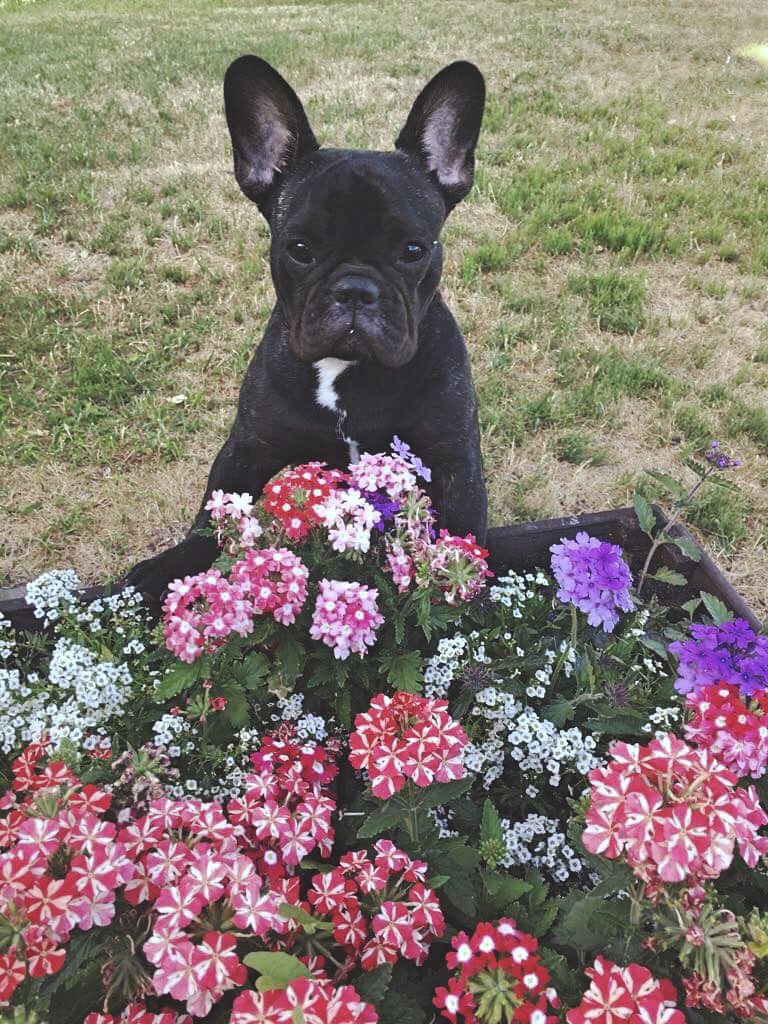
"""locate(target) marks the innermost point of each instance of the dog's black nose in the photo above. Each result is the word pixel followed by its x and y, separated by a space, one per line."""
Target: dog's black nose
pixel 356 288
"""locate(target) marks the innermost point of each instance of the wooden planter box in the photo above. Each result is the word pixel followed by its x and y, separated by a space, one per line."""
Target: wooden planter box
pixel 526 546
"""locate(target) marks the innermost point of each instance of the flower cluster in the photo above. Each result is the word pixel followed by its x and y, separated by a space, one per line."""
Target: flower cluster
pixel 292 496
pixel 137 1013
pixel 61 866
pixel 406 736
pixel 346 617
pixel 380 908
pixel 275 580
pixel 592 575
pixel 733 728
pixel 717 458
pixel 629 994
pixel 538 841
pixel 202 611
pixel 309 1000
pixel 730 653
pixel 457 565
pixel 52 593
pixel 498 976
pixel 349 518
pixel 231 515
pixel 389 473
pixel 673 812
pixel 81 694
pixel 510 731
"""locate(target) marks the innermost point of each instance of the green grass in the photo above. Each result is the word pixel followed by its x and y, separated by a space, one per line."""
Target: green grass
pixel 608 269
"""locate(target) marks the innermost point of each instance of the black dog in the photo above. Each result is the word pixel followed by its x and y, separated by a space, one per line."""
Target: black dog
pixel 360 345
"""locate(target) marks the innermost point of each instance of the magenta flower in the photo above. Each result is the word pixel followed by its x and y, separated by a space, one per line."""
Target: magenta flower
pixel 346 617
pixel 592 575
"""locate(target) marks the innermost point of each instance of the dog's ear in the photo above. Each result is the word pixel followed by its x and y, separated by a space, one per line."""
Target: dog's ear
pixel 269 129
pixel 443 126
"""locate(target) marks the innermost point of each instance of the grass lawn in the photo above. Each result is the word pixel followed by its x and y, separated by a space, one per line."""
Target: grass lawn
pixel 608 270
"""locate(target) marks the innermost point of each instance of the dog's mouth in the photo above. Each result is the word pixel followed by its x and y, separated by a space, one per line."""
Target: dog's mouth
pixel 385 334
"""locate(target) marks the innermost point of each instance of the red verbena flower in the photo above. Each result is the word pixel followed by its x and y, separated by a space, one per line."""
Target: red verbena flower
pixel 623 995
pixel 407 737
pixel 732 726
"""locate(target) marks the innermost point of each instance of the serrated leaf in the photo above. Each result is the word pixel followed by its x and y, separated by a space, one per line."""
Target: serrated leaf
pixel 277 970
pixel 558 712
pixel 404 671
pixel 400 1008
pixel 689 607
pixel 622 723
pixel 674 487
pixel 372 986
pixel 344 708
pixel 255 667
pixel 719 612
pixel 644 513
pixel 237 706
pixel 443 792
pixel 308 923
pixel 490 824
pixel 654 645
pixel 176 680
pixel 669 576
pixel 389 815
pixel 688 546
pixel 290 657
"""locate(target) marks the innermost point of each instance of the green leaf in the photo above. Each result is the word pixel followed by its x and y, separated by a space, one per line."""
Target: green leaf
pixel 344 708
pixel 667 575
pixel 490 824
pixel 290 655
pixel 372 986
pixel 255 667
pixel 400 1008
pixel 404 671
pixel 558 712
pixel 437 881
pixel 689 607
pixel 654 645
pixel 443 792
pixel 719 612
pixel 678 491
pixel 688 546
pixel 621 723
pixel 277 970
pixel 497 883
pixel 237 710
pixel 177 679
pixel 308 923
pixel 389 815
pixel 644 513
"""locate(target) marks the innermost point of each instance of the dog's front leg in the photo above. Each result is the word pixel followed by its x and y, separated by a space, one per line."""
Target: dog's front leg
pixel 237 468
pixel 457 488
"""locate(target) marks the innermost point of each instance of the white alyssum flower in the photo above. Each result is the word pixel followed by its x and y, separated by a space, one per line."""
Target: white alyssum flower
pixel 53 592
pixel 664 719
pixel 443 667
pixel 538 842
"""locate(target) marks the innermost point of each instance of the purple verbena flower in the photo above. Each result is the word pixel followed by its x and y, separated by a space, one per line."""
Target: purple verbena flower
pixel 729 653
pixel 404 451
pixel 384 505
pixel 593 575
pixel 719 459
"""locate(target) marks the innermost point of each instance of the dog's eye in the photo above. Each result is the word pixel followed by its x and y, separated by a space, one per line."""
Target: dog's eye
pixel 300 252
pixel 412 253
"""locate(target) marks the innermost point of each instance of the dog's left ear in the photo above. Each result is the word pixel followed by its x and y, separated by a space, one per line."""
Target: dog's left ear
pixel 269 129
pixel 443 126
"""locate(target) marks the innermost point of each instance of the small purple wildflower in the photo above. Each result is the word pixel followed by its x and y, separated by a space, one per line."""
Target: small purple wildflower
pixel 404 451
pixel 719 459
pixel 384 505
pixel 593 575
pixel 729 653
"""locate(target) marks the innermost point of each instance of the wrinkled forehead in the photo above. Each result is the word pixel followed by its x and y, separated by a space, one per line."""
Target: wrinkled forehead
pixel 356 198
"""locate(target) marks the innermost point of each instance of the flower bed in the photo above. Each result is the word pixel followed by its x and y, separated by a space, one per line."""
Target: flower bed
pixel 353 776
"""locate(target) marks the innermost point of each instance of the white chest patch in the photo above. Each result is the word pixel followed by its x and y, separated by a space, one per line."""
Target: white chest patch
pixel 328 370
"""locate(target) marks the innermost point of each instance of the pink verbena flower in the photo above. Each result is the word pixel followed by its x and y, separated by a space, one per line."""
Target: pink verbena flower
pixel 348 518
pixel 274 580
pixel 201 611
pixel 400 565
pixel 592 575
pixel 389 473
pixel 406 736
pixel 674 813
pixel 500 961
pixel 733 727
pixel 622 994
pixel 231 515
pixel 346 617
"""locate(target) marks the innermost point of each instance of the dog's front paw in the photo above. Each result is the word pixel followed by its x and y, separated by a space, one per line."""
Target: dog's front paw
pixel 153 576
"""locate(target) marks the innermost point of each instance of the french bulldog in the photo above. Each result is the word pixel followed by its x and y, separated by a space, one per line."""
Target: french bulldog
pixel 360 345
